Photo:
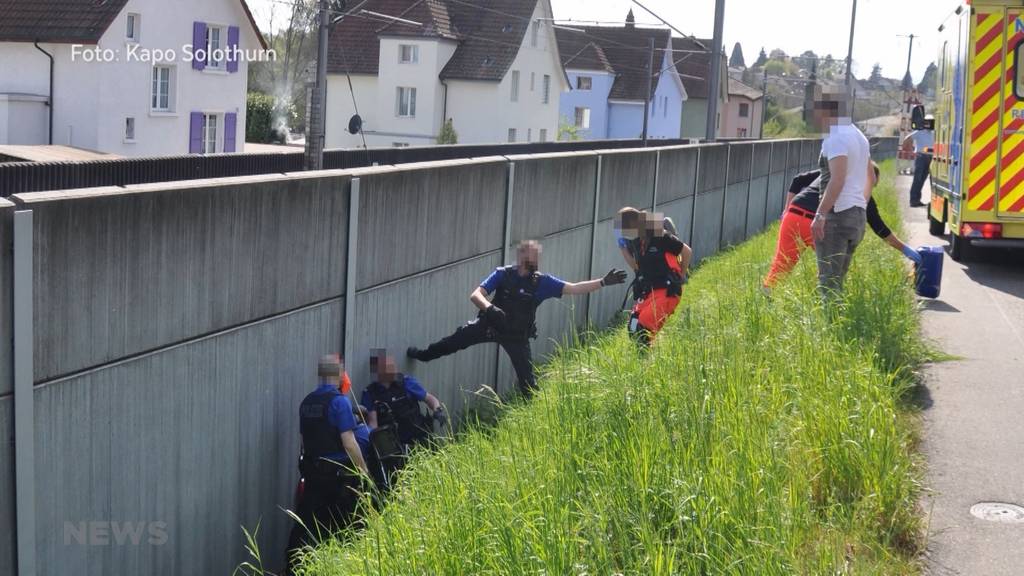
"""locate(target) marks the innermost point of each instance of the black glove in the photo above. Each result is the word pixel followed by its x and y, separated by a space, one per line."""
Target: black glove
pixel 495 317
pixel 613 277
pixel 441 416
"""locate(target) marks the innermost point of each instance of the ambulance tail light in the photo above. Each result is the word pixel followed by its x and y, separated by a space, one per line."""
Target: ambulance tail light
pixel 986 230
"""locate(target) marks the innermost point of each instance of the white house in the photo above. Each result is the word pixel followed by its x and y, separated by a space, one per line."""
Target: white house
pixel 491 66
pixel 129 77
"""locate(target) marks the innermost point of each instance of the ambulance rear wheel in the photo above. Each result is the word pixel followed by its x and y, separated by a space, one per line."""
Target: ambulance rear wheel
pixel 935 227
pixel 959 247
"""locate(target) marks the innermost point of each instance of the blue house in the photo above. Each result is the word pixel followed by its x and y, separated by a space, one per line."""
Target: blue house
pixel 607 69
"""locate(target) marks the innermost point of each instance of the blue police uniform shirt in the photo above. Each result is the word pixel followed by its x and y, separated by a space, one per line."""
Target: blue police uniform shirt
pixel 412 387
pixel 547 286
pixel 339 415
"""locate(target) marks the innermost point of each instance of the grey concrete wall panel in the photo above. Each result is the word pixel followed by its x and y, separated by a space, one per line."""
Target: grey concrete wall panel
pixel 780 154
pixel 778 185
pixel 740 158
pixel 762 159
pixel 422 309
pixel 676 174
pixel 680 211
pixel 756 205
pixel 7 509
pixel 707 224
pixel 735 214
pixel 552 194
pixel 567 256
pixel 6 294
pixel 713 160
pixel 605 302
pixel 421 216
pixel 119 272
pixel 795 160
pixel 627 179
pixel 202 437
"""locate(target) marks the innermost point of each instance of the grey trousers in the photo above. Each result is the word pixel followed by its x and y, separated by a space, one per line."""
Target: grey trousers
pixel 843 232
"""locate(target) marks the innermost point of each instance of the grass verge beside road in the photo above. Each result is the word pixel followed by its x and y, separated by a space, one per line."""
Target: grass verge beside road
pixel 757 437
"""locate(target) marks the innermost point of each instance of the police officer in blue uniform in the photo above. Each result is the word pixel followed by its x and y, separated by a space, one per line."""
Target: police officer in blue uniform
pixel 334 448
pixel 393 399
pixel 509 318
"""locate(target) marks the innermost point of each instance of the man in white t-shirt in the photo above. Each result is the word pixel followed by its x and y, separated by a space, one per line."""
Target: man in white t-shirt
pixel 846 181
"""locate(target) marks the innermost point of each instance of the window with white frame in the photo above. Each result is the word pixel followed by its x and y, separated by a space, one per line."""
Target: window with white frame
pixel 129 129
pixel 210 133
pixel 744 110
pixel 582 117
pixel 533 80
pixel 162 99
pixel 515 85
pixel 584 82
pixel 529 134
pixel 535 32
pixel 408 53
pixel 512 135
pixel 216 38
pixel 664 107
pixel 547 89
pixel 405 102
pixel 543 134
pixel 132 28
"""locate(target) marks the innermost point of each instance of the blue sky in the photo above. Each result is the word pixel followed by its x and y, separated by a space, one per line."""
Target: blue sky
pixel 793 25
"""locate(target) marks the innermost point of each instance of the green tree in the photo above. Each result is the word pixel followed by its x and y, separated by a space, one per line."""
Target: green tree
pixel 762 59
pixel 259 117
pixel 876 73
pixel 568 131
pixel 291 33
pixel 736 60
pixel 927 85
pixel 448 134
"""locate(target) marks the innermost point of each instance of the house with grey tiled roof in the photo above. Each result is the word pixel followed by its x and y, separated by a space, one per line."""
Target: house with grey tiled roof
pixel 610 83
pixel 127 77
pixel 492 67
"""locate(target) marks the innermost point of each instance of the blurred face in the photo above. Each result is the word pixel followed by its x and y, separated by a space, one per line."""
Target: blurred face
pixel 383 368
pixel 627 224
pixel 528 258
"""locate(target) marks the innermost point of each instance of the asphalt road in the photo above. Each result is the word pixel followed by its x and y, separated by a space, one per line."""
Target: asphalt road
pixel 973 408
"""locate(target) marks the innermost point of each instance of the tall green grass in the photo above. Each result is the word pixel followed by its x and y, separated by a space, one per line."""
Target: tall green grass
pixel 759 436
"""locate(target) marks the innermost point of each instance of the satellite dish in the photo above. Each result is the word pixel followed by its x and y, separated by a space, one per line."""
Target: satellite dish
pixel 355 124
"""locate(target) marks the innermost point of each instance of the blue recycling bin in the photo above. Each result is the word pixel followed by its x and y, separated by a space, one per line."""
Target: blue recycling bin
pixel 929 271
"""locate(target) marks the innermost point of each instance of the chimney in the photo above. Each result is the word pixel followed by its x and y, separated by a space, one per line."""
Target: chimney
pixel 630 20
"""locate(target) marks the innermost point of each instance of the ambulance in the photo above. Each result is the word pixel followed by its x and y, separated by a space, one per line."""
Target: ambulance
pixel 978 162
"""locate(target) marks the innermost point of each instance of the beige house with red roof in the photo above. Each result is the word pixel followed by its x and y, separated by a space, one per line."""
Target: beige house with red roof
pixel 491 66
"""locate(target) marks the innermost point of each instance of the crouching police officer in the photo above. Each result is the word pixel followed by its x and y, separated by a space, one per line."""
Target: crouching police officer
pixel 393 399
pixel 333 447
pixel 509 319
pixel 392 403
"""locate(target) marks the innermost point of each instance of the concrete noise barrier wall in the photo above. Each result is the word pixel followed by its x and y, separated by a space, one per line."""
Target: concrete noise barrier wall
pixel 177 326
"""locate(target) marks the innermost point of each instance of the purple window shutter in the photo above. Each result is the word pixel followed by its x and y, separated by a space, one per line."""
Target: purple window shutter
pixel 195 133
pixel 232 46
pixel 198 43
pixel 230 122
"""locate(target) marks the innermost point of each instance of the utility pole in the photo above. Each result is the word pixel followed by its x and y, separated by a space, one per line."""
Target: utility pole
pixel 849 53
pixel 650 79
pixel 716 73
pixel 764 102
pixel 314 158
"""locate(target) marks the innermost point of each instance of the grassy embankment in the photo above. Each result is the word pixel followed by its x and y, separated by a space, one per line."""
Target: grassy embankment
pixel 757 438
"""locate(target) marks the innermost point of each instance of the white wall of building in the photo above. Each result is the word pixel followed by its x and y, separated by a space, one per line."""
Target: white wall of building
pixel 93 99
pixel 481 112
